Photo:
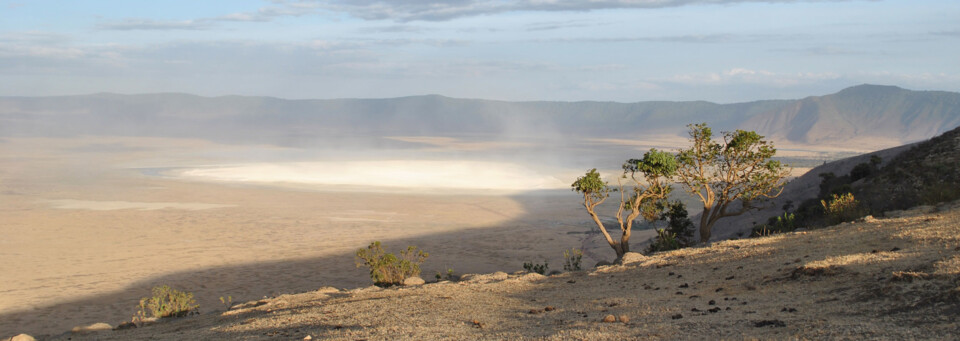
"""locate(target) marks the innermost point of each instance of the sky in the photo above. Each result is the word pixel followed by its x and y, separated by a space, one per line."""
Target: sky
pixel 722 51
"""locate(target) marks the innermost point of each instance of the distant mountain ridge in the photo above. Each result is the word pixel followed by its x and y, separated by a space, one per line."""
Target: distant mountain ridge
pixel 858 113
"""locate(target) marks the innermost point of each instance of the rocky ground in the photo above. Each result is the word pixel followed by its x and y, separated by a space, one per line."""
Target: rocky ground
pixel 891 278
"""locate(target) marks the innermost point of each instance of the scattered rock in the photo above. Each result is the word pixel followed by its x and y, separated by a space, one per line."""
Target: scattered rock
pixel 308 337
pixel 769 323
pixel 328 290
pixel 96 327
pixel 609 319
pixel 718 290
pixel 23 337
pixel 412 281
pixel 631 258
pixel 624 318
pixel 496 276
pixel 712 302
pixel 788 310
pixel 571 281
pixel 535 311
pixel 684 285
pixel 868 219
pixel 895 249
pixel 549 308
pixel 533 276
pixel 714 310
pixel 477 324
pixel 679 292
pixel 126 325
pixel 670 274
pixel 677 316
pixel 695 310
pixel 729 278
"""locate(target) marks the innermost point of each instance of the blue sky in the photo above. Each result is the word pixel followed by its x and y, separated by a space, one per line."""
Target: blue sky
pixel 609 50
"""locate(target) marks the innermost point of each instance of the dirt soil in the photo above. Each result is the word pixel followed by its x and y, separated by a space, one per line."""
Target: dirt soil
pixel 891 278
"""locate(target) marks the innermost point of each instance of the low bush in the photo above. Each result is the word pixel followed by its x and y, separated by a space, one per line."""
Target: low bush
pixel 386 269
pixel 166 302
pixel 679 231
pixel 842 208
pixel 774 225
pixel 538 268
pixel 572 259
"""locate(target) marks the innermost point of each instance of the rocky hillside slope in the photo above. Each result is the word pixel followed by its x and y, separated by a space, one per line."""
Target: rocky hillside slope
pixel 891 278
pixel 866 114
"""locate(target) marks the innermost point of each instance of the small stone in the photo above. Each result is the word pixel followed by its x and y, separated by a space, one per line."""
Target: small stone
pixel 308 337
pixel 684 285
pixel 729 278
pixel 632 257
pixel 23 337
pixel 712 302
pixel 624 318
pixel 96 327
pixel 549 308
pixel 718 290
pixel 610 319
pixel 411 281
pixel 895 249
pixel 126 325
pixel 714 310
pixel 535 311
pixel 677 316
pixel 771 323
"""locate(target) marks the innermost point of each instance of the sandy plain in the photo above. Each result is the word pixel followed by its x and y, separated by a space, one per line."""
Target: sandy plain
pixel 86 235
pixel 89 225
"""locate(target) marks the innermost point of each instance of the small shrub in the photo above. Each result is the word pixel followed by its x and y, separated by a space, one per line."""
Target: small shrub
pixel 571 259
pixel 665 241
pixel 842 208
pixel 226 302
pixel 679 231
pixel 538 268
pixel 386 269
pixel 774 225
pixel 450 276
pixel 166 302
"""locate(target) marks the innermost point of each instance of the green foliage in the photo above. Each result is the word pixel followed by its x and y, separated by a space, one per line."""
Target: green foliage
pixel 166 302
pixel 572 259
pixel 665 241
pixel 842 208
pixel 449 277
pixel 737 169
pixel 679 231
pixel 538 268
pixel 650 178
pixel 386 269
pixel 590 184
pixel 774 225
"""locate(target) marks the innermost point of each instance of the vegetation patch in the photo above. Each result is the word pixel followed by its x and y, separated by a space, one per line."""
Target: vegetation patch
pixel 386 269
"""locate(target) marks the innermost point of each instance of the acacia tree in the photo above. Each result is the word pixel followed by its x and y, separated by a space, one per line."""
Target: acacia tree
pixel 649 178
pixel 739 169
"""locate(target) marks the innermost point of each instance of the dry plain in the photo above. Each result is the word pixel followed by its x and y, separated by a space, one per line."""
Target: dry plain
pixel 90 224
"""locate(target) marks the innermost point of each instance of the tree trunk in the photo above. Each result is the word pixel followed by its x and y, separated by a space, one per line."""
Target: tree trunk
pixel 705 226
